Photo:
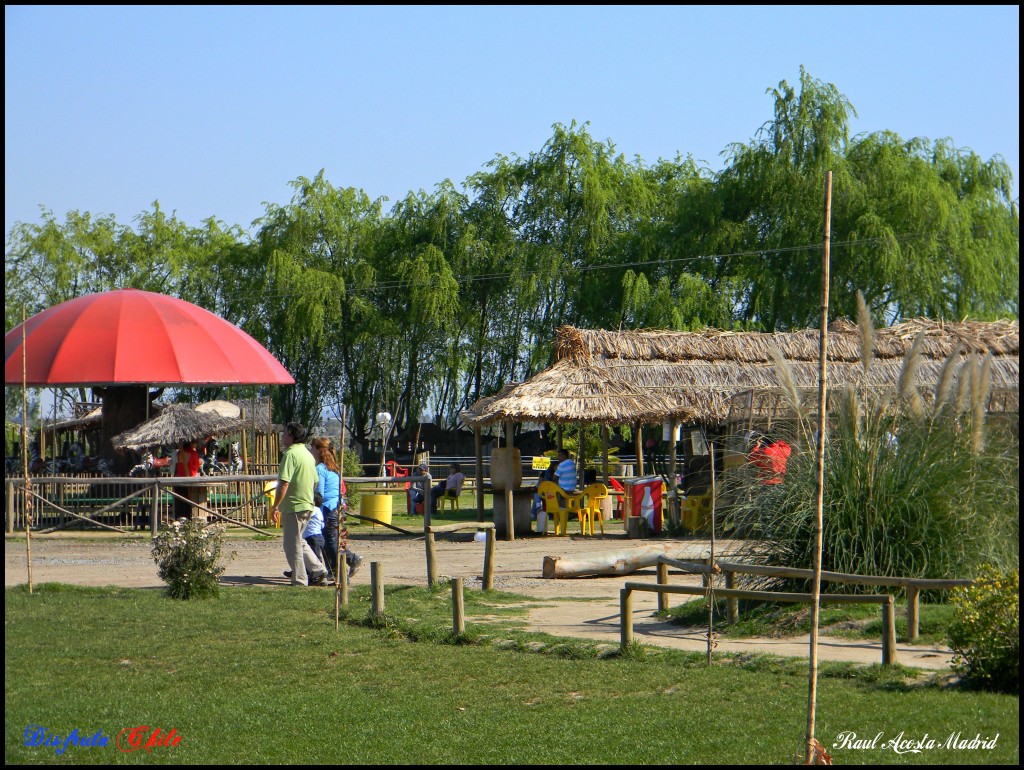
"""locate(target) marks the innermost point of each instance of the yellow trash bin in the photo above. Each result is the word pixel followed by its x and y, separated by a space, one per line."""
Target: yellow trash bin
pixel 376 507
pixel 696 513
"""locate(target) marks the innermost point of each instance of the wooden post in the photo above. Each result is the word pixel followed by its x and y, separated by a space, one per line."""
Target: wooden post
pixel 638 440
pixel 488 579
pixel 10 506
pixel 342 581
pixel 24 454
pixel 458 608
pixel 732 605
pixel 431 560
pixel 377 589
pixel 889 632
pixel 428 502
pixel 510 530
pixel 625 618
pixel 604 456
pixel 710 579
pixel 154 509
pixel 913 598
pixel 662 580
pixel 673 476
pixel 340 575
pixel 812 676
pixel 478 444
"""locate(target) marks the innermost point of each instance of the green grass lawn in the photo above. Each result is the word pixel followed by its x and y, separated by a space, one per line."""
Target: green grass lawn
pixel 261 676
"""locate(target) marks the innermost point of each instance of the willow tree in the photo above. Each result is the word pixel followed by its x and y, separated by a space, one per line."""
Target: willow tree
pixel 317 315
pixel 931 231
pixel 418 310
pixel 922 227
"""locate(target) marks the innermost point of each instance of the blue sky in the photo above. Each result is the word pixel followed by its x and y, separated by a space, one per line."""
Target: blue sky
pixel 214 110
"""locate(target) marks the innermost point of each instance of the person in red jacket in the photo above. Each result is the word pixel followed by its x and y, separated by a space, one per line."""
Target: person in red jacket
pixel 187 464
pixel 771 458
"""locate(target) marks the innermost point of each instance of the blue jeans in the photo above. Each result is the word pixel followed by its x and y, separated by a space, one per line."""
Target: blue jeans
pixel 331 542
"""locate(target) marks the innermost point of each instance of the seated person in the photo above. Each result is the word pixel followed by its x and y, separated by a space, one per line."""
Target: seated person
pixel 771 458
pixel 416 491
pixel 451 486
pixel 565 473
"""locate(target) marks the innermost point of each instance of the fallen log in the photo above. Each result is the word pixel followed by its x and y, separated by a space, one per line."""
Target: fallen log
pixel 619 562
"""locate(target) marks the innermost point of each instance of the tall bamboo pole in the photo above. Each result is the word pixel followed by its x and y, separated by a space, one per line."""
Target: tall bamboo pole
pixel 24 452
pixel 812 688
pixel 341 522
pixel 711 576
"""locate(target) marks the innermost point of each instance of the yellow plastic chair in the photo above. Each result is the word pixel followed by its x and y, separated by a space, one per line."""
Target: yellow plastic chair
pixel 574 504
pixel 447 500
pixel 594 494
pixel 550 493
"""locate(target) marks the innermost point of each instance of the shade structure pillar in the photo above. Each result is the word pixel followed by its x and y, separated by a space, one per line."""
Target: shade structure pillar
pixel 510 530
pixel 673 476
pixel 639 441
pixel 478 445
pixel 604 455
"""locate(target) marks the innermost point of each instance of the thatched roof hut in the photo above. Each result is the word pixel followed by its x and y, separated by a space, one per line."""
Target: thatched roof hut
pixel 617 377
pixel 567 392
pixel 177 423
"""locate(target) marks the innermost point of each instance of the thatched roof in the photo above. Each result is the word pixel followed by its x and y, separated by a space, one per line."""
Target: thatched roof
pixel 175 424
pixel 583 346
pixel 221 407
pixel 569 393
pixel 709 375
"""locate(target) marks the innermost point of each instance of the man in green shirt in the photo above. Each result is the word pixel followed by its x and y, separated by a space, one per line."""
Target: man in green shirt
pixel 296 481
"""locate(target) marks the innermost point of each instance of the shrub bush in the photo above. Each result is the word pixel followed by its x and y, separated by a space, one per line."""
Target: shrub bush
pixel 352 468
pixel 985 635
pixel 187 555
pixel 914 487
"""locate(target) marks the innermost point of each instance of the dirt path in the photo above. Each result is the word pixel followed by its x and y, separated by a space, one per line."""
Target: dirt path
pixel 110 560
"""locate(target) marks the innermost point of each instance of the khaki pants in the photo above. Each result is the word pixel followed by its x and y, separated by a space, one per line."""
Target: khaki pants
pixel 302 562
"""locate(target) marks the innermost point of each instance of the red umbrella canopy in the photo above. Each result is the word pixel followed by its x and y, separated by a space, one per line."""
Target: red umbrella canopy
pixel 134 337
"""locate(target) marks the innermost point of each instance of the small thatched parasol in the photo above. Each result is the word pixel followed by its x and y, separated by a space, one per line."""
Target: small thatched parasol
pixel 223 408
pixel 175 424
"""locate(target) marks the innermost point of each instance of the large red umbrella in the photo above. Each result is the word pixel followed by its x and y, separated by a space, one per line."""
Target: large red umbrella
pixel 126 340
pixel 134 337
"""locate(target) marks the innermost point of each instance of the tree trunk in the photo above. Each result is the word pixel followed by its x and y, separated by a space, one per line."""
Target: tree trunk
pixel 124 407
pixel 618 562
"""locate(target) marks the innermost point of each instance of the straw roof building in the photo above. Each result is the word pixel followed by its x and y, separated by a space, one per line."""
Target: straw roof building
pixel 619 377
pixel 177 423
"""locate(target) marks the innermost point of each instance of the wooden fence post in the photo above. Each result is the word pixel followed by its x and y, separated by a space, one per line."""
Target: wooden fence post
pixel 488 581
pixel 889 632
pixel 662 580
pixel 913 598
pixel 458 608
pixel 625 618
pixel 154 509
pixel 377 588
pixel 732 605
pixel 431 560
pixel 10 507
pixel 342 577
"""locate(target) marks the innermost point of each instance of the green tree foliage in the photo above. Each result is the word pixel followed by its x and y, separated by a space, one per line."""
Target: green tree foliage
pixel 316 312
pixel 921 227
pixel 453 293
